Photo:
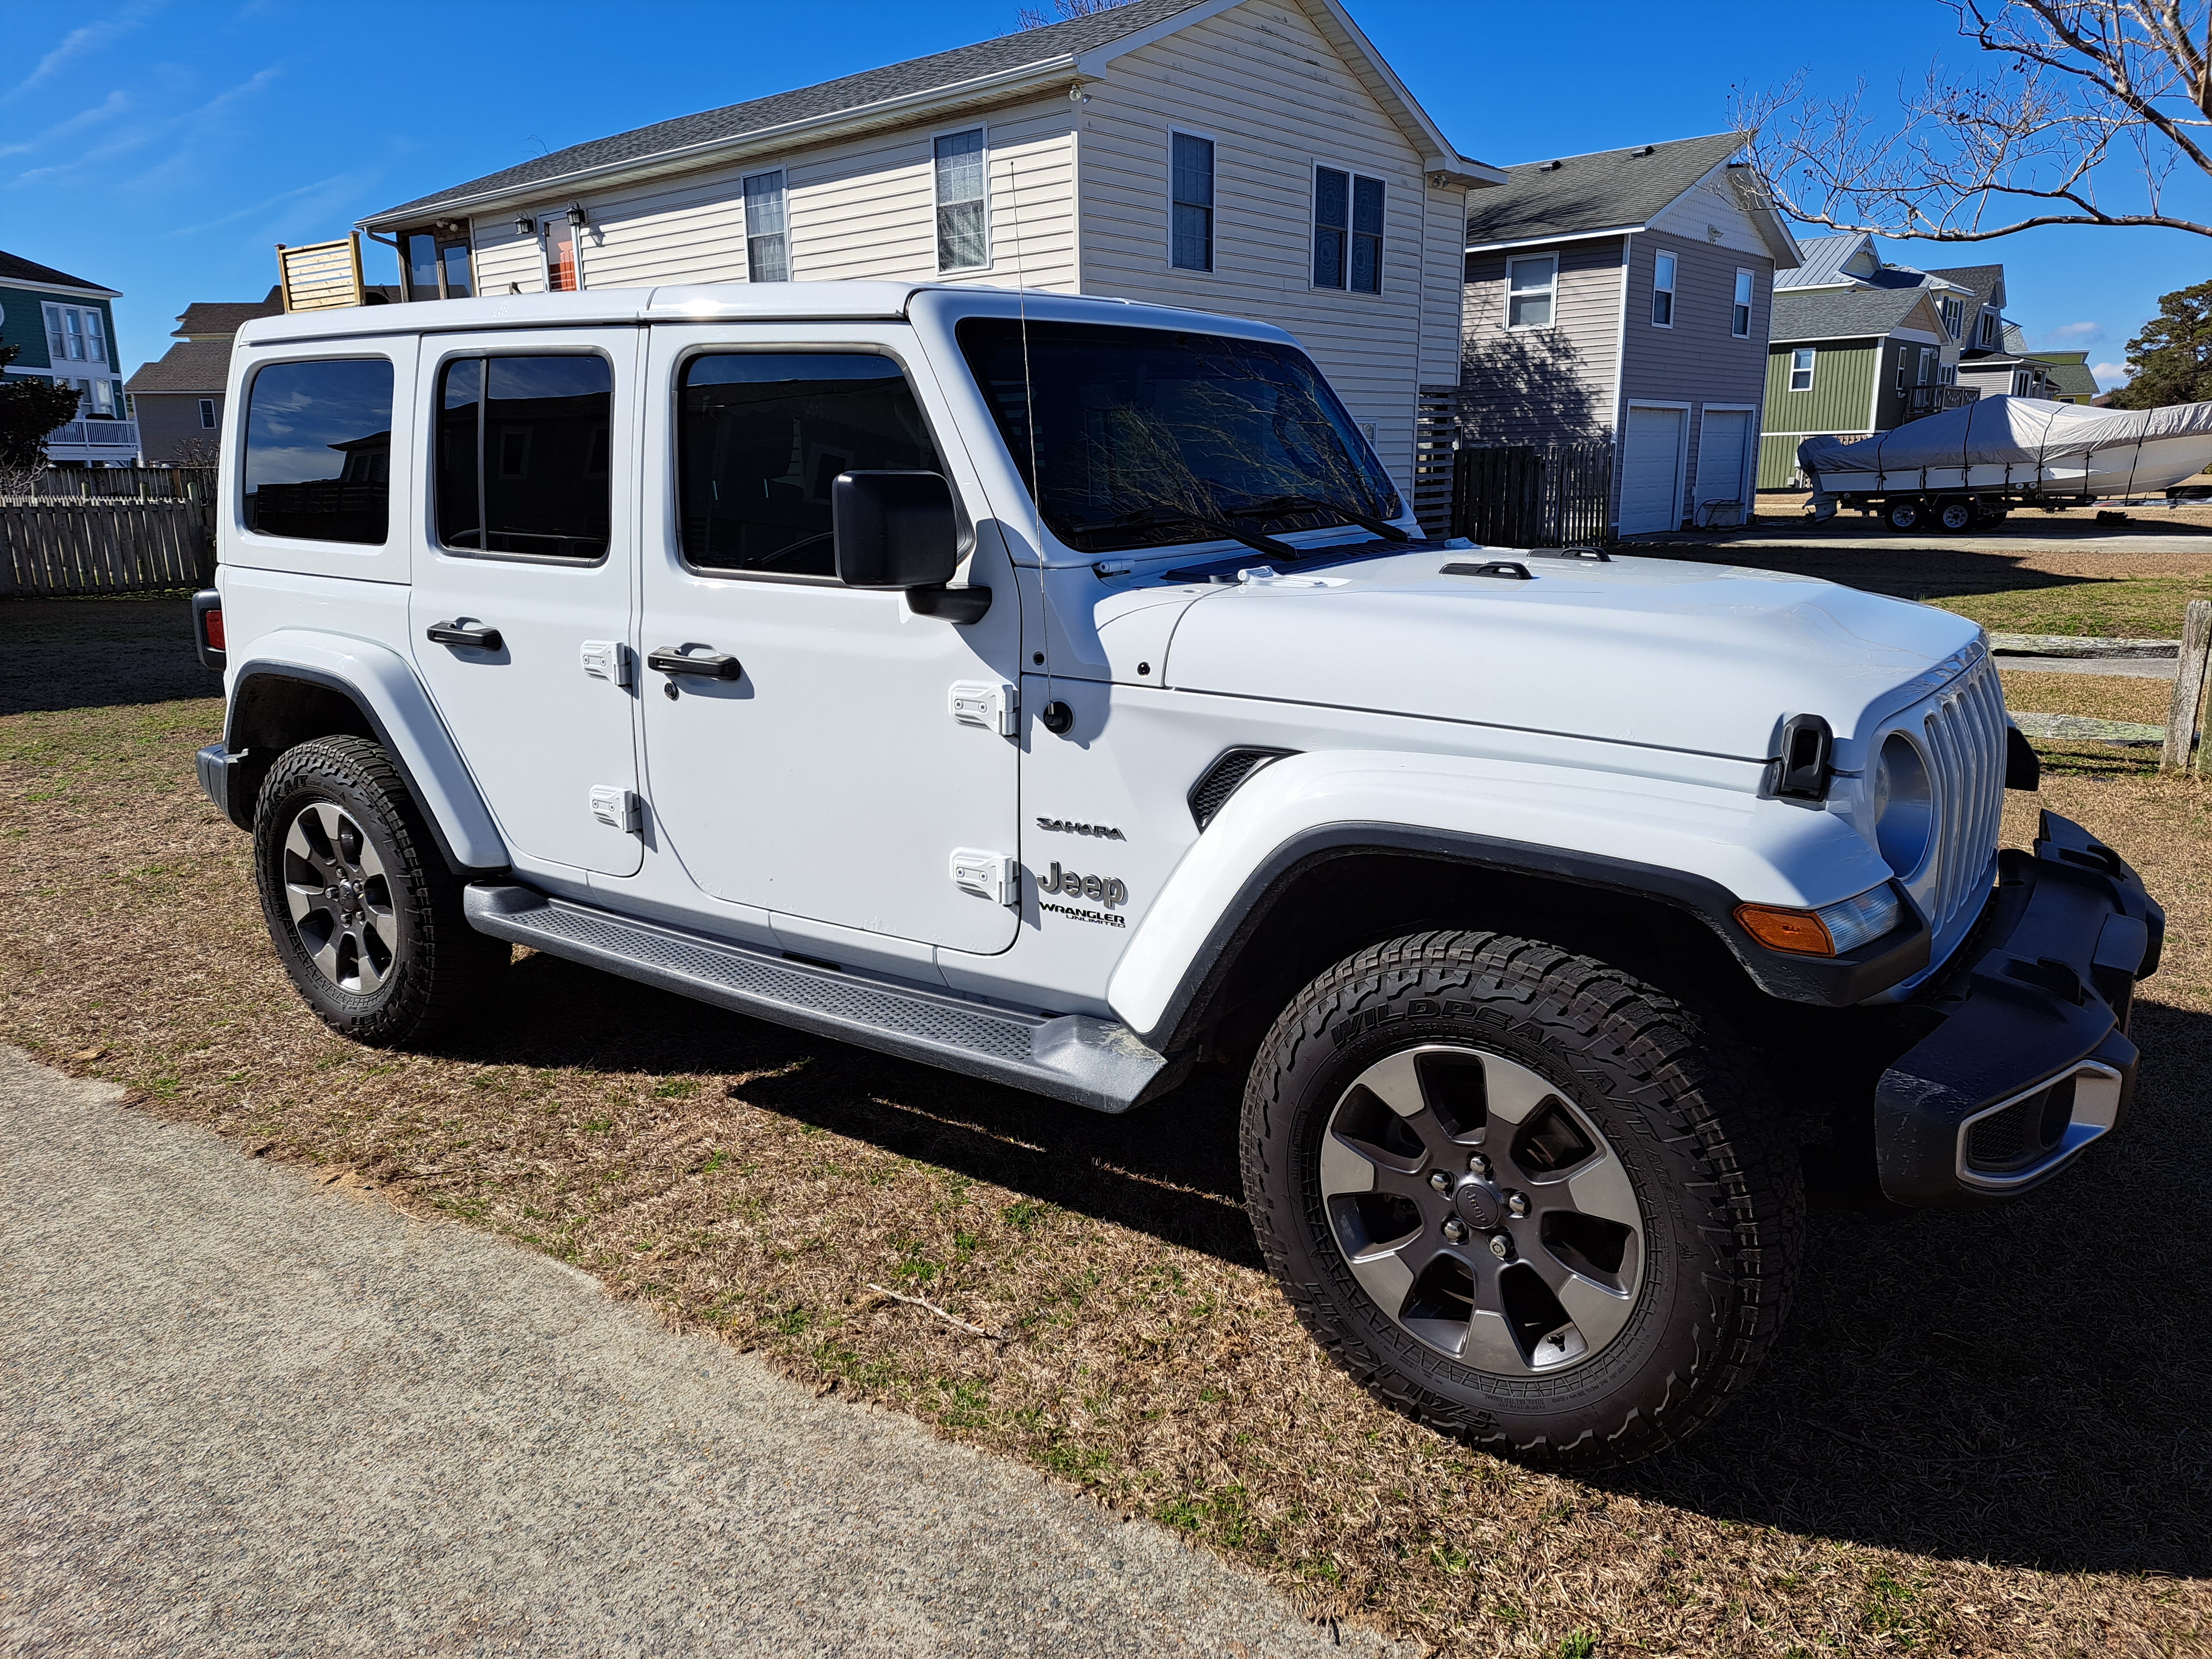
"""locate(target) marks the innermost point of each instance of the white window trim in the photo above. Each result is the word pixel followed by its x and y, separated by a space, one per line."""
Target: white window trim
pixel 210 416
pixel 1671 290
pixel 1214 242
pixel 1314 164
pixel 1552 290
pixel 745 223
pixel 1811 368
pixel 1750 306
pixel 547 218
pixel 990 237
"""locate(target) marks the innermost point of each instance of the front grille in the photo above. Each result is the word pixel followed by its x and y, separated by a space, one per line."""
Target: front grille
pixel 1964 729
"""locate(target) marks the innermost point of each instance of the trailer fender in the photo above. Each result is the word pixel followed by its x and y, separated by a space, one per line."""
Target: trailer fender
pixel 1701 849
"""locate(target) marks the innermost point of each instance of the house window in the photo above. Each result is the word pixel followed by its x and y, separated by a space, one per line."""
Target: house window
pixel 1662 291
pixel 1801 370
pixel 1347 231
pixel 1190 236
pixel 1986 330
pixel 1530 285
pixel 436 267
pixel 1927 365
pixel 1904 356
pixel 963 236
pixel 1739 317
pixel 1953 315
pixel 103 397
pixel 74 336
pixel 207 415
pixel 768 244
pixel 560 251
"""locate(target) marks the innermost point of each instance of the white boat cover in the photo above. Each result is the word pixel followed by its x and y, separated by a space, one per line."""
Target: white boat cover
pixel 2021 443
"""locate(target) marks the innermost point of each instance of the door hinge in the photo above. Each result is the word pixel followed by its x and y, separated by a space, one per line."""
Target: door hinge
pixel 617 808
pixel 987 875
pixel 992 704
pixel 608 659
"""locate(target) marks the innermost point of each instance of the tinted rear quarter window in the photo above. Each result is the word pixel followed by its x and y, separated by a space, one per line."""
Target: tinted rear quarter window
pixel 319 450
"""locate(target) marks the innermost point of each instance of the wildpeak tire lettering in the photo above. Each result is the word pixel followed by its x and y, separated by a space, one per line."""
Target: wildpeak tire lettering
pixel 1099 889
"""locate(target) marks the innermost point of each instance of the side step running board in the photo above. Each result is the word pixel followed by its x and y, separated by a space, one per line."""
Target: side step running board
pixel 1097 1063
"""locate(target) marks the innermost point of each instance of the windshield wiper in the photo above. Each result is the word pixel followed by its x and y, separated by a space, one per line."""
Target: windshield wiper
pixel 1275 505
pixel 1151 516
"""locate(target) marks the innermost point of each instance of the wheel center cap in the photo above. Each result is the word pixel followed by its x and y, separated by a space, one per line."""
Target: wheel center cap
pixel 1478 1205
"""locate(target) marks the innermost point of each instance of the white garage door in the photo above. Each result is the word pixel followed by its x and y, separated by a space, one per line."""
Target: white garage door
pixel 1650 476
pixel 1721 444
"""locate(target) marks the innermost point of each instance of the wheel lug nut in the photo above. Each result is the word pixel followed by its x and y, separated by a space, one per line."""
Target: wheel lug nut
pixel 1517 1202
pixel 1501 1247
pixel 1440 1181
pixel 1455 1231
pixel 1478 1165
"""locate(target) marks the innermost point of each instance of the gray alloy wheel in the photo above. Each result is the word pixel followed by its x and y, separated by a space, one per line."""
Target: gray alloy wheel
pixel 1484 1212
pixel 1955 516
pixel 340 898
pixel 1902 515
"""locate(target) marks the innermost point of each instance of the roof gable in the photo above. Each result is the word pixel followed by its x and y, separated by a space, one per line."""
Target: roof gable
pixel 1609 189
pixel 14 268
pixel 1005 64
pixel 1840 313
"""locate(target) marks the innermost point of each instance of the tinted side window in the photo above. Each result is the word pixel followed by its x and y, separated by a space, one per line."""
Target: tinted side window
pixel 319 451
pixel 523 453
pixel 763 435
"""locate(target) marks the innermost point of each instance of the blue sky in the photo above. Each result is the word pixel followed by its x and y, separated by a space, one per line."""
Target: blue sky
pixel 162 148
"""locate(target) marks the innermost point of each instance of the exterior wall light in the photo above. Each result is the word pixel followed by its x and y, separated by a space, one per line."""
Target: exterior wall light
pixel 525 225
pixel 577 217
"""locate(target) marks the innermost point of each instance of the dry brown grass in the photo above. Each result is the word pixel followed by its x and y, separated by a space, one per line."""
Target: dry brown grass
pixel 1982 1433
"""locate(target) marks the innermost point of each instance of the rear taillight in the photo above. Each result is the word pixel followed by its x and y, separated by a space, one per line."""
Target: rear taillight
pixel 213 624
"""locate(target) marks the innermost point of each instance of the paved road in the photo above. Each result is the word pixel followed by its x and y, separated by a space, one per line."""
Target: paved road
pixel 240 1414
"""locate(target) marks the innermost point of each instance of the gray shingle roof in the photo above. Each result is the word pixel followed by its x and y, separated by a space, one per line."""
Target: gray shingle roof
pixel 1984 280
pixel 1594 192
pixel 1835 313
pixel 15 267
pixel 225 316
pixel 852 92
pixel 2070 373
pixel 189 365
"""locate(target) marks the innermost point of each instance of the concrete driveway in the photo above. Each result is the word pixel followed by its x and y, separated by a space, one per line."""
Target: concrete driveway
pixel 242 1414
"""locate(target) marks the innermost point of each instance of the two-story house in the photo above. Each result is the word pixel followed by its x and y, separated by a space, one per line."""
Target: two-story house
pixel 64 330
pixel 1254 157
pixel 1625 294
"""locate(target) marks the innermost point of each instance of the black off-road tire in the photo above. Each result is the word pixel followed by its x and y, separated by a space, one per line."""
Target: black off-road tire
pixel 1676 1099
pixel 1904 514
pixel 436 968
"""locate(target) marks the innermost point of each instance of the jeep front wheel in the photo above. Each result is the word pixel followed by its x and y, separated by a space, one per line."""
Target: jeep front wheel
pixel 364 914
pixel 1526 1198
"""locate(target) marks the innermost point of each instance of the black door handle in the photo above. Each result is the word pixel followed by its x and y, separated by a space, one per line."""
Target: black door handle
pixel 477 637
pixel 715 666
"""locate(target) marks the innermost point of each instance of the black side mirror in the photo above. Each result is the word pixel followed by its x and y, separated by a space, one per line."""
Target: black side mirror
pixel 894 529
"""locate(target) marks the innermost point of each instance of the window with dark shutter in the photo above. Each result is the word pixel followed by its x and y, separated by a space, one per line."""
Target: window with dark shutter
pixel 1191 230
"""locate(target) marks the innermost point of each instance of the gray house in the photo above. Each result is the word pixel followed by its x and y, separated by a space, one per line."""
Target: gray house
pixel 1625 296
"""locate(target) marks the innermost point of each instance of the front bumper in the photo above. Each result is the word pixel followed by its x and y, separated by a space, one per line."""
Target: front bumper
pixel 2030 1062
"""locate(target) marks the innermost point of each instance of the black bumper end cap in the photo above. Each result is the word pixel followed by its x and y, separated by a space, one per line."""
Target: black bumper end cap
pixel 217 767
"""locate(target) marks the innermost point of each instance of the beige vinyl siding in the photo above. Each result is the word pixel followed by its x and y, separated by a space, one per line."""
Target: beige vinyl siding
pixel 1697 361
pixel 1263 84
pixel 1552 385
pixel 862 209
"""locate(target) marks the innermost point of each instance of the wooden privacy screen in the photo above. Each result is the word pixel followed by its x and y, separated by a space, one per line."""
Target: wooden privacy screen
pixel 320 276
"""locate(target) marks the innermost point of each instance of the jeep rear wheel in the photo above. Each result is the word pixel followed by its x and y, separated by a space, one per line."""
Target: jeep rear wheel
pixel 364 914
pixel 1523 1197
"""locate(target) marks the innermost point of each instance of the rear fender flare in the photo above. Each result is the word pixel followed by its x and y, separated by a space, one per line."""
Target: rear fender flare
pixel 383 686
pixel 1700 849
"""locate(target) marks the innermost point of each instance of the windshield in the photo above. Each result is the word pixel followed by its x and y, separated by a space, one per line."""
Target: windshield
pixel 1150 437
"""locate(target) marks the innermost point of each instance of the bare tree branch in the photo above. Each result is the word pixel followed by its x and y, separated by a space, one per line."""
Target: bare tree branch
pixel 2090 108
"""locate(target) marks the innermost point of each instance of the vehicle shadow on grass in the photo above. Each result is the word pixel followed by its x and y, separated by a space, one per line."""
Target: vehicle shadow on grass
pixel 100 652
pixel 2029 1384
pixel 1907 571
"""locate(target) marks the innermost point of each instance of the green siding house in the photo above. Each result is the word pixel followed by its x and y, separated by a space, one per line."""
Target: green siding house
pixel 64 330
pixel 1845 363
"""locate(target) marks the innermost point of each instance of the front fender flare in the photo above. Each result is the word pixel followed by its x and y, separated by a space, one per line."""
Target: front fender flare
pixel 1700 848
pixel 384 687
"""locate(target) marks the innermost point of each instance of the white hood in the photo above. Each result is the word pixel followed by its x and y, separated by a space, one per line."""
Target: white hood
pixel 1697 657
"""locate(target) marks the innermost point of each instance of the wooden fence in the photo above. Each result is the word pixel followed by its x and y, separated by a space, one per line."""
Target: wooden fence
pixel 110 530
pixel 1526 495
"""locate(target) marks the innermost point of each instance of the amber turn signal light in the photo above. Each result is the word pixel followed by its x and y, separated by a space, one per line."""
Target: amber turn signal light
pixel 1801 931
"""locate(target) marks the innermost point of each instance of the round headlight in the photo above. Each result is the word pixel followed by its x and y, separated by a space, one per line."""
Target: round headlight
pixel 1904 806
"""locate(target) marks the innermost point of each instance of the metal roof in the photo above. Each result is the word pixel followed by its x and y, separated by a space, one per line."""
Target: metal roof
pixel 1823 265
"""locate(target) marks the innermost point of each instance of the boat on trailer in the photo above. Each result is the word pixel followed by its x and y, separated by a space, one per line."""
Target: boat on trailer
pixel 1975 464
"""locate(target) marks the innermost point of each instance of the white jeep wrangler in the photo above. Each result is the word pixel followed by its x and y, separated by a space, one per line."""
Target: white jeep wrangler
pixel 1061 691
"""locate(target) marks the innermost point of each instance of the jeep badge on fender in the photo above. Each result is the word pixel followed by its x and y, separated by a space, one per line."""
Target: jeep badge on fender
pixel 1496 893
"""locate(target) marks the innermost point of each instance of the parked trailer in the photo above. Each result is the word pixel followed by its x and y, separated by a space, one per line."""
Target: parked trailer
pixel 1973 465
